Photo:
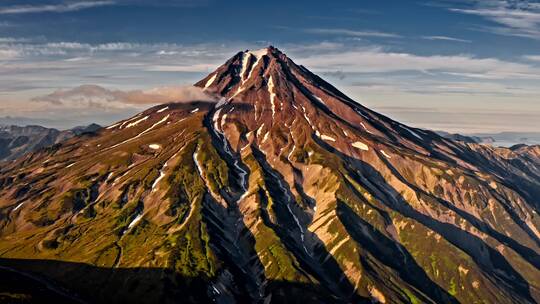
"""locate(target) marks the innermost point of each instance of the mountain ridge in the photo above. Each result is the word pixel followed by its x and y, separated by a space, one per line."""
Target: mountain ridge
pixel 284 179
pixel 16 141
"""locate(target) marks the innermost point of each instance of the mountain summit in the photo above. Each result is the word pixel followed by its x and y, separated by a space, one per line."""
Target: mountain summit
pixel 284 191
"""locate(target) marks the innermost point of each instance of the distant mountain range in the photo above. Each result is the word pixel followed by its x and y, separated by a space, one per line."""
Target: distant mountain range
pixel 502 139
pixel 16 141
pixel 284 190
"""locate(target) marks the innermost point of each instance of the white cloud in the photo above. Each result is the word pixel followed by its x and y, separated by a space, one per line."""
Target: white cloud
pixel 532 57
pixel 446 38
pixel 53 8
pixel 515 18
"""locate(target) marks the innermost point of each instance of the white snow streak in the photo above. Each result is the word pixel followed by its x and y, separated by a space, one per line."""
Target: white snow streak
pixel 129 120
pixel 319 99
pixel 290 153
pixel 154 146
pixel 215 119
pixel 324 137
pixel 272 95
pixel 259 130
pixel 142 133
pixel 113 126
pixel 164 109
pixel 265 138
pixel 195 110
pixel 245 60
pixel 364 126
pixel 385 155
pixel 18 206
pixel 306 117
pixel 412 132
pixel 161 176
pixel 133 124
pixel 210 81
pixel 135 221
pixel 155 125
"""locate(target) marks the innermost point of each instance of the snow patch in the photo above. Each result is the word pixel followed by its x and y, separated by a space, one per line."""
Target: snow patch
pixel 360 145
pixel 164 109
pixel 154 146
pixel 324 137
pixel 195 110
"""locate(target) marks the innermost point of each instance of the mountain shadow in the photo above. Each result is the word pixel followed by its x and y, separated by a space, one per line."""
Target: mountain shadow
pixel 51 281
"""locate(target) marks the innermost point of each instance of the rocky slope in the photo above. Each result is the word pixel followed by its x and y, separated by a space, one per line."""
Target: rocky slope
pixel 285 190
pixel 16 141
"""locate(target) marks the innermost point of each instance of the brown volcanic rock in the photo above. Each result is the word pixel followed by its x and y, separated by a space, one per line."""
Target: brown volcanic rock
pixel 283 189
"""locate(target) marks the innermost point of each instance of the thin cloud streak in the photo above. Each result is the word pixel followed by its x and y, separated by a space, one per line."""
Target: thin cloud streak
pixel 351 33
pixel 54 8
pixel 446 38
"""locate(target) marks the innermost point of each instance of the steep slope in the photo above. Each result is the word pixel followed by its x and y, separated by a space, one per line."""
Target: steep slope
pixel 16 141
pixel 284 190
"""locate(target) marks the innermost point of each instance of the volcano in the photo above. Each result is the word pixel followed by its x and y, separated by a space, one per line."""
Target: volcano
pixel 284 190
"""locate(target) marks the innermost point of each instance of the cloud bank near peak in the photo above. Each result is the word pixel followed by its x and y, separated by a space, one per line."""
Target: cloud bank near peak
pixel 95 96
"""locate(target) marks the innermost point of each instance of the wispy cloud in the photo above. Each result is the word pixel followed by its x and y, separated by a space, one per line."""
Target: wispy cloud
pixel 54 8
pixel 514 18
pixel 446 38
pixel 351 33
pixel 532 57
pixel 377 60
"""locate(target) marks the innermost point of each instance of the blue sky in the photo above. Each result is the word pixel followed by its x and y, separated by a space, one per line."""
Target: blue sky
pixel 463 65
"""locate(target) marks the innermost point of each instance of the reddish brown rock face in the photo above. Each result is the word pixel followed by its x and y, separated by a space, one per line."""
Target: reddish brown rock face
pixel 282 189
